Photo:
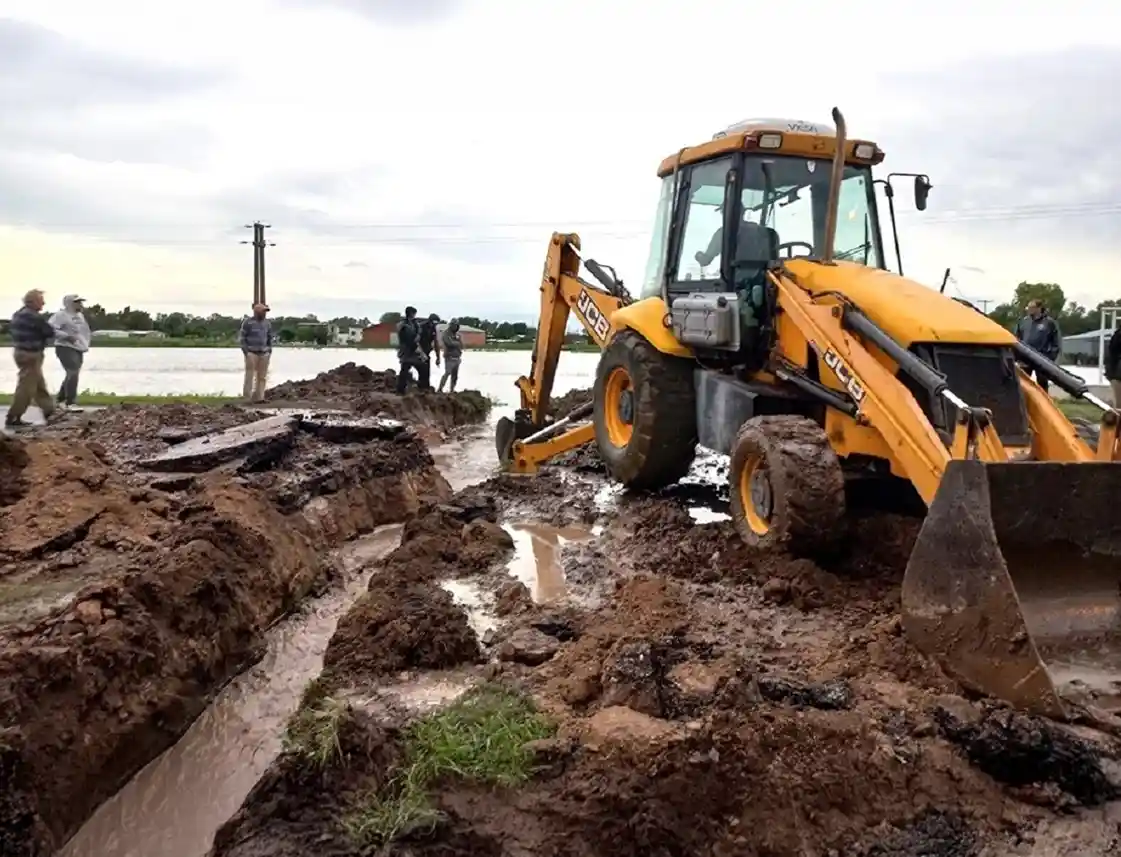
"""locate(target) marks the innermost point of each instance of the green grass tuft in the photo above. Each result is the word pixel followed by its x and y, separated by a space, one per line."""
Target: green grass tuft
pixel 480 738
pixel 313 733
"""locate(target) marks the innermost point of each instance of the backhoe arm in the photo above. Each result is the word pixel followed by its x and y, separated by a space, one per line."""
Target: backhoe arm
pixel 562 292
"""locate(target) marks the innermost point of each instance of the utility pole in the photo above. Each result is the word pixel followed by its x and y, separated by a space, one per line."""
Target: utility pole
pixel 259 245
pixel 984 302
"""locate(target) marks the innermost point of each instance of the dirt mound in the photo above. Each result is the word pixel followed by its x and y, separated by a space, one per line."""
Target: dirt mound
pixel 400 625
pixel 124 607
pixel 362 390
pixel 561 406
pixel 341 382
pixel 449 540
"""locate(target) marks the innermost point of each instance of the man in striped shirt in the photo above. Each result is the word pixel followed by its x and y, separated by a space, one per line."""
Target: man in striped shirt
pixel 31 335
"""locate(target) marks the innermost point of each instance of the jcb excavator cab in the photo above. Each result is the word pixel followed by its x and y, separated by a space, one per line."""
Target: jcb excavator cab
pixel 741 213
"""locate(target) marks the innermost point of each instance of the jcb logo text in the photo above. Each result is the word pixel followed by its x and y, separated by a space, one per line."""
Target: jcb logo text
pixel 595 320
pixel 845 375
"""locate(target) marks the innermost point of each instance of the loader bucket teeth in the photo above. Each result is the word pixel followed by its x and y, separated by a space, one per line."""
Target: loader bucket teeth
pixel 1014 584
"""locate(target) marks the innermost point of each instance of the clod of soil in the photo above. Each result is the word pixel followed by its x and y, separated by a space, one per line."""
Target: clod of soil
pixel 13 460
pixel 399 625
pixel 1021 750
pixel 450 540
pixel 124 608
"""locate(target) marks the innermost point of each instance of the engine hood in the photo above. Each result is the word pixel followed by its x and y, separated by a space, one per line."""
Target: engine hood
pixel 908 311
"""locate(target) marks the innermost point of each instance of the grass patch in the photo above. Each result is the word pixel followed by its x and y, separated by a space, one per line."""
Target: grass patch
pixel 1075 409
pixel 96 399
pixel 480 738
pixel 313 733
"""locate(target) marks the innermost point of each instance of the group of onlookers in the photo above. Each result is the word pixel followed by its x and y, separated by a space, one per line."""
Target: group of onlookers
pixel 32 334
pixel 417 341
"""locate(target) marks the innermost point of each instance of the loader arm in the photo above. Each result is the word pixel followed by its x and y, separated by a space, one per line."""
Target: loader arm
pixel 882 401
pixel 563 292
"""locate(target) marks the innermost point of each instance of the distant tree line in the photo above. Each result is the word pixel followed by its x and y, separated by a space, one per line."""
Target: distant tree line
pixel 505 331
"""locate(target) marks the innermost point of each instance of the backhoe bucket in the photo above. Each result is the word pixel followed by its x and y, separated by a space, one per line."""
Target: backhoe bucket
pixel 1014 584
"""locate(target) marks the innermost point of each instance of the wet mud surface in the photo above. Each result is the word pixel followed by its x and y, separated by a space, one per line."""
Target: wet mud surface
pixel 703 699
pixel 144 555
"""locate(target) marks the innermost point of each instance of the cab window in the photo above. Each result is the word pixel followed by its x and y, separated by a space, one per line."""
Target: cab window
pixel 698 257
pixel 659 241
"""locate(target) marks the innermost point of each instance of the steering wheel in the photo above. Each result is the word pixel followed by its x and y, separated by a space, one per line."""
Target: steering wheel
pixel 790 245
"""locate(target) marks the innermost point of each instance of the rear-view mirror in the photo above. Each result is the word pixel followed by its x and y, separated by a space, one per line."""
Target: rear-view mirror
pixel 922 191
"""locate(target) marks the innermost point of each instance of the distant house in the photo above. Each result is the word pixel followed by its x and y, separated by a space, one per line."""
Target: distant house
pixel 344 335
pixel 1085 347
pixel 384 335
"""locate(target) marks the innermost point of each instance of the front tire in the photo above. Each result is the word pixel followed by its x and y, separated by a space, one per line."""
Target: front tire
pixel 787 486
pixel 645 413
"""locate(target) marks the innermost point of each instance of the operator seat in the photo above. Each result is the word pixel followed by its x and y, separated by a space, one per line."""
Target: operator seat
pixel 756 248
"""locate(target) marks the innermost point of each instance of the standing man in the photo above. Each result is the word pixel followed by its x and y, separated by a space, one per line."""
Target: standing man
pixel 409 353
pixel 31 334
pixel 1113 366
pixel 453 354
pixel 256 338
pixel 71 342
pixel 430 341
pixel 1039 331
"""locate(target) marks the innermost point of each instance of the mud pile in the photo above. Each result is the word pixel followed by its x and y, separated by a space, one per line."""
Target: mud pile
pixel 362 390
pixel 132 589
pixel 715 702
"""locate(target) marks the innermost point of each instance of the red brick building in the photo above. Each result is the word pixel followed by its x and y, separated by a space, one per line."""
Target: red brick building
pixel 384 335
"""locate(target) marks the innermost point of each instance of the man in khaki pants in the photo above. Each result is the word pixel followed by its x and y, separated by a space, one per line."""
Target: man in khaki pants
pixel 256 340
pixel 31 334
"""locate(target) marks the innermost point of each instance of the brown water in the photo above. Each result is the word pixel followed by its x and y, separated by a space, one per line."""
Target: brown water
pixel 174 805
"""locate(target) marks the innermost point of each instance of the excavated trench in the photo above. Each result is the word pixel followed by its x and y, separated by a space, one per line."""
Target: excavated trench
pixel 148 557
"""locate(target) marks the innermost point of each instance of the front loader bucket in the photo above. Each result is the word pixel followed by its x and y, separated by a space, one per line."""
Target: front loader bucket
pixel 1014 584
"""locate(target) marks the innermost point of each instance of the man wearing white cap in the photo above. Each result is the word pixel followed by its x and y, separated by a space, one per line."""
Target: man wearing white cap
pixel 256 340
pixel 71 342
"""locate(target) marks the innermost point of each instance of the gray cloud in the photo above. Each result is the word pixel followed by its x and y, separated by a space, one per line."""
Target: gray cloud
pixel 393 12
pixel 1027 142
pixel 53 98
pixel 42 70
pixel 355 264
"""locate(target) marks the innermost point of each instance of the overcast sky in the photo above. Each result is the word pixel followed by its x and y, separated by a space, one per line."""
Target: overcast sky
pixel 424 150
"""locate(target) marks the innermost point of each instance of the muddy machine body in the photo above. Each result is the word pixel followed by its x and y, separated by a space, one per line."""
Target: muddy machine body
pixel 770 328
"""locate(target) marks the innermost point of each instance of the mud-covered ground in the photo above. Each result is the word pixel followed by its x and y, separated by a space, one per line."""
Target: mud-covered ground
pixel 144 552
pixel 687 697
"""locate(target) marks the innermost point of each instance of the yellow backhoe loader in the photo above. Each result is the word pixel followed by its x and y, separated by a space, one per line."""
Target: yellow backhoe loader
pixel 770 328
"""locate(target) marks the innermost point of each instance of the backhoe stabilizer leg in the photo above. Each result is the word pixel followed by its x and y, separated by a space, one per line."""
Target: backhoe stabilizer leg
pixel 526 458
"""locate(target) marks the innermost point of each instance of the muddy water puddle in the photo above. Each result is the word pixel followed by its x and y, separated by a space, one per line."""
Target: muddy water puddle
pixel 537 562
pixel 174 805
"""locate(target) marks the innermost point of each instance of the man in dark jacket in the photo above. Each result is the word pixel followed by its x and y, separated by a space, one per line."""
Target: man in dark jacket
pixel 31 334
pixel 409 354
pixel 1113 366
pixel 1040 332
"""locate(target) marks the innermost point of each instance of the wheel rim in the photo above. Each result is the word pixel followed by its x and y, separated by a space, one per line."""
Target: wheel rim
pixel 618 406
pixel 756 495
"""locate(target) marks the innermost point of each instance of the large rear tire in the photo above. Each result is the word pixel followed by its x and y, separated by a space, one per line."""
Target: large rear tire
pixel 787 487
pixel 645 413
